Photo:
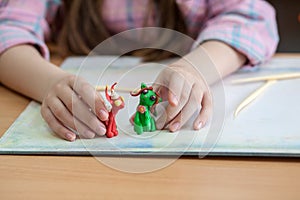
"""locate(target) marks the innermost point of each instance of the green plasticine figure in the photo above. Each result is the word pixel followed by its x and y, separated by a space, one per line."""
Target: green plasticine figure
pixel 143 121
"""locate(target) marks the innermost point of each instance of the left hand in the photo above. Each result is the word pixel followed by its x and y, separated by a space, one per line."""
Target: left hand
pixel 186 92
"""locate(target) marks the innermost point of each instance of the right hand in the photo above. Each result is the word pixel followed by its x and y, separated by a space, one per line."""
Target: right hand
pixel 67 108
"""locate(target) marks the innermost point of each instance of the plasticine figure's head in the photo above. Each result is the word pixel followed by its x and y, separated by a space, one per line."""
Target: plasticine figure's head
pixel 116 102
pixel 147 96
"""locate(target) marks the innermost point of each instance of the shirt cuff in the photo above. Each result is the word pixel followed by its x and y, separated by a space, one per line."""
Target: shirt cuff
pixel 15 36
pixel 254 57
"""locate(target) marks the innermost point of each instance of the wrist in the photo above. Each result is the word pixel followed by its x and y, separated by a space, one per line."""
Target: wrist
pixel 226 58
pixel 55 75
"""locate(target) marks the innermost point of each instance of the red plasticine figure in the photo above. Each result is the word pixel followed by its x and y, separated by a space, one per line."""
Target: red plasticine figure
pixel 116 103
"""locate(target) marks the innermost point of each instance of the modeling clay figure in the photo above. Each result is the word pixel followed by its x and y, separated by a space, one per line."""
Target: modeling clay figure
pixel 143 121
pixel 116 103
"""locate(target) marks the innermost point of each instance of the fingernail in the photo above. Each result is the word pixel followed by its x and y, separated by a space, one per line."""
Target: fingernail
pixel 89 134
pixel 71 137
pixel 101 130
pixel 174 127
pixel 199 126
pixel 103 115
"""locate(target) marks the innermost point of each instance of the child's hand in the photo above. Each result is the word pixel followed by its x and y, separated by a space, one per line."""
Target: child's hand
pixel 186 91
pixel 80 108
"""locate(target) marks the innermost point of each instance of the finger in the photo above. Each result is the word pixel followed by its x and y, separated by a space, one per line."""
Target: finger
pixel 81 111
pixel 67 119
pixel 184 97
pixel 162 92
pixel 83 130
pixel 56 126
pixel 205 113
pixel 173 111
pixel 187 111
pixel 160 85
pixel 176 84
pixel 85 115
pixel 60 112
pixel 90 96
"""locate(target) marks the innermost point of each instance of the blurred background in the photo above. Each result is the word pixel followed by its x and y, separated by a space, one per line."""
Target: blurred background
pixel 288 19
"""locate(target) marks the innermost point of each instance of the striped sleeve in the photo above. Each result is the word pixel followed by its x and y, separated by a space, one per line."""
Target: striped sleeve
pixel 249 26
pixel 23 22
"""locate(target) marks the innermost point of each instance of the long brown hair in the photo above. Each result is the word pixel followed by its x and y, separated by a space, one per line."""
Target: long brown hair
pixel 83 27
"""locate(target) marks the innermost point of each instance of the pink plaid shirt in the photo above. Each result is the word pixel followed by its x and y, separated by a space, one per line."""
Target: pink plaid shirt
pixel 249 26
